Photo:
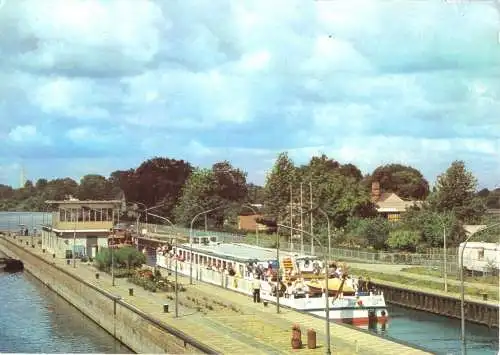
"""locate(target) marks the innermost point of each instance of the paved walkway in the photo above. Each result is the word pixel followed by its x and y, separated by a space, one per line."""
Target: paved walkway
pixel 396 270
pixel 233 323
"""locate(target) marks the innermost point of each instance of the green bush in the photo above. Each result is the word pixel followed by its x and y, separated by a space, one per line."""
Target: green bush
pixel 127 257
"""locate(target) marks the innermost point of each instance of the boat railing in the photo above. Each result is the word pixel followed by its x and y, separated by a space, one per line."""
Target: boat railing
pixel 239 283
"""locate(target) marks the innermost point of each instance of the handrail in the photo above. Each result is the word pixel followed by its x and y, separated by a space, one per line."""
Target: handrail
pixel 176 332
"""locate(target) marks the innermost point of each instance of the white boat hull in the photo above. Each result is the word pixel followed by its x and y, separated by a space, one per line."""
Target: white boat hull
pixel 364 311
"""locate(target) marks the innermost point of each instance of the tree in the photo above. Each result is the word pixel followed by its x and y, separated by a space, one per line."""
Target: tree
pixel 255 194
pixel 351 170
pixel 94 187
pixel 405 181
pixel 372 232
pixel 277 187
pixel 455 191
pixel 160 181
pixel 430 224
pixel 339 194
pixel 124 181
pixel 223 185
pixel 41 184
pixel 6 192
pixel 404 239
pixel 59 189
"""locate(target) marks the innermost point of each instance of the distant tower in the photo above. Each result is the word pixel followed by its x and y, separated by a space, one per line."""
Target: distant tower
pixel 22 178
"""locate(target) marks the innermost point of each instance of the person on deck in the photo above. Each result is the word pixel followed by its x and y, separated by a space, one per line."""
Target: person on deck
pixel 256 290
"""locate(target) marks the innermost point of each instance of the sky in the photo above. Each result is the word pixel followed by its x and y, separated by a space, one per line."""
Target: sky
pixel 96 86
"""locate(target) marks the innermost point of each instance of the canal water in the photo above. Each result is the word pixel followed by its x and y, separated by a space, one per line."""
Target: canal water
pixel 34 319
pixel 40 321
pixel 439 334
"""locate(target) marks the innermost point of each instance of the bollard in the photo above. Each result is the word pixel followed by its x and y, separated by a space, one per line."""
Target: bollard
pixel 130 291
pixel 27 243
pixel 43 250
pixel 53 256
pixel 311 339
pixel 68 261
pixel 296 337
pixel 165 308
pixel 32 245
pixel 485 296
pixel 97 275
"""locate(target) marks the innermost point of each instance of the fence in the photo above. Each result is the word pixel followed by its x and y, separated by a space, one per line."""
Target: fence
pixel 433 258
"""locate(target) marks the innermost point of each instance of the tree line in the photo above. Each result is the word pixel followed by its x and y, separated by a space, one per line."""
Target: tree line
pixel 341 190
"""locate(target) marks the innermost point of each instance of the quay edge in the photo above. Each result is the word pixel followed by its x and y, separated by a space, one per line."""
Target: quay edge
pixel 109 311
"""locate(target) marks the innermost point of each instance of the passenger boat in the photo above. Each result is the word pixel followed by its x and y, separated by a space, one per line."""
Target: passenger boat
pixel 302 285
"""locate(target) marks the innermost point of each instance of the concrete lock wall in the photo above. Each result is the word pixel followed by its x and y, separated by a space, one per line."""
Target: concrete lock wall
pixel 134 328
pixel 476 312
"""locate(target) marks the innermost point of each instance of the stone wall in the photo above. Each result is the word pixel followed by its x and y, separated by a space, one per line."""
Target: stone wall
pixel 134 328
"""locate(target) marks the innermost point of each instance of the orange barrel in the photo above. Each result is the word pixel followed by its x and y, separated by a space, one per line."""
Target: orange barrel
pixel 311 339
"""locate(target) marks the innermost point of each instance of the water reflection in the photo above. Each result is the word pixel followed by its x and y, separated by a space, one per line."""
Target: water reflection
pixel 36 320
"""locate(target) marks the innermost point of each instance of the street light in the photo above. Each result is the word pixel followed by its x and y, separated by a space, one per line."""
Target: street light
pixel 176 277
pixel 445 271
pixel 145 210
pixel 462 293
pixel 191 240
pixel 202 207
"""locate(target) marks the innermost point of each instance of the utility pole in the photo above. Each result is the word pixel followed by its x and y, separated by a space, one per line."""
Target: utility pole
pixel 301 221
pixel 445 274
pixel 291 217
pixel 311 215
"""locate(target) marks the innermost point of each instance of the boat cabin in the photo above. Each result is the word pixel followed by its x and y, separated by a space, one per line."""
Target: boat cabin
pixel 248 261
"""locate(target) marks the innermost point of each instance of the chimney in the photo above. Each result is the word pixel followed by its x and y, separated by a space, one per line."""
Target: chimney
pixel 375 191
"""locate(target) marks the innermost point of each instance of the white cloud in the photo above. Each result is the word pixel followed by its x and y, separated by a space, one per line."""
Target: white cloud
pixel 241 80
pixel 27 134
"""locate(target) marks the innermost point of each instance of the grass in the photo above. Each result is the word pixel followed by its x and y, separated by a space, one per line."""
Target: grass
pixel 420 270
pixel 416 283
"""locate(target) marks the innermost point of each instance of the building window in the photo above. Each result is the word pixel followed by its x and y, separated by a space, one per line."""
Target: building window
pixel 480 254
pixel 393 217
pixel 62 215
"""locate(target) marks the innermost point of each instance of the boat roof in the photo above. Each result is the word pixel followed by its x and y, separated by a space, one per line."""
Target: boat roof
pixel 239 252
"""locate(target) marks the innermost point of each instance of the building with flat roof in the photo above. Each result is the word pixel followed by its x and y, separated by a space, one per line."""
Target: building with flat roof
pixel 79 227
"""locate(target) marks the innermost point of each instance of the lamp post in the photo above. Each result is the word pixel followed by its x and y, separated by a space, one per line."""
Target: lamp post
pixel 320 210
pixel 327 305
pixel 176 274
pixel 191 240
pixel 145 210
pixel 462 292
pixel 445 269
pixel 206 220
pixel 74 240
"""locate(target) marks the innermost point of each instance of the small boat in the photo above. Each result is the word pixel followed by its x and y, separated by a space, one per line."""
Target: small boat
pixel 334 285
